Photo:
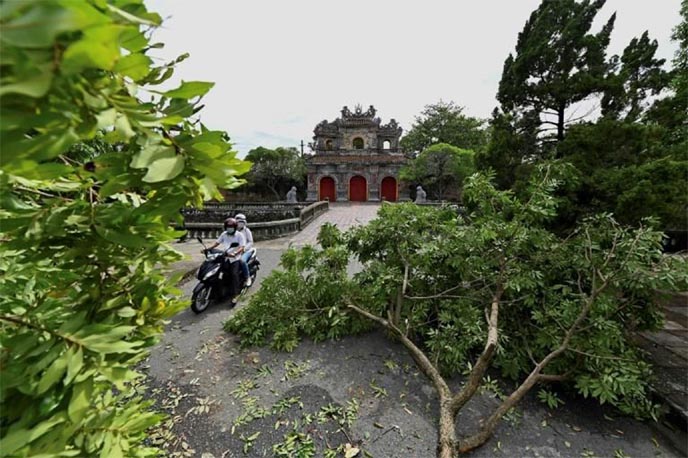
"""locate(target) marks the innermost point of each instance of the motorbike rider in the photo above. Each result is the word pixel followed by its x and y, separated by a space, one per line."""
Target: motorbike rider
pixel 242 228
pixel 230 236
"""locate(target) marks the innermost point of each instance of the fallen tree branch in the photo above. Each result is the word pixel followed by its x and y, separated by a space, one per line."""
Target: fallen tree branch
pixel 424 364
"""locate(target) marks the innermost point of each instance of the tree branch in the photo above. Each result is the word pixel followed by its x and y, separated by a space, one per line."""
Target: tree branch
pixel 535 376
pixel 424 364
pixel 476 375
pixel 444 294
pixel 553 378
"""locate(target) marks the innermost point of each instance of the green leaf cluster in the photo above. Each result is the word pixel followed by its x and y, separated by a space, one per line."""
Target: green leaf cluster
pixel 307 297
pixel 91 178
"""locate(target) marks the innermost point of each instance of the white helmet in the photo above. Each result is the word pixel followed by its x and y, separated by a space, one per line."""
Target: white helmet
pixel 240 217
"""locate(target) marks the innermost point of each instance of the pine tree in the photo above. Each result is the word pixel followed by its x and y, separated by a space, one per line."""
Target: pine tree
pixel 639 73
pixel 557 63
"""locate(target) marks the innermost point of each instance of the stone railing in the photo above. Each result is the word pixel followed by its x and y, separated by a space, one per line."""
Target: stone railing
pixel 234 205
pixel 264 230
pixel 312 211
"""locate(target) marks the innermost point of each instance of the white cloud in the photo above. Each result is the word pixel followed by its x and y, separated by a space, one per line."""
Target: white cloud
pixel 281 67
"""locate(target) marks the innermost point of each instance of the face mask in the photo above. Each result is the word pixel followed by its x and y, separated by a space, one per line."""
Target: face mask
pixel 231 231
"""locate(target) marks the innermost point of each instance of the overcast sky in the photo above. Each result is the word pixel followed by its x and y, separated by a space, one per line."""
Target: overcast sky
pixel 280 66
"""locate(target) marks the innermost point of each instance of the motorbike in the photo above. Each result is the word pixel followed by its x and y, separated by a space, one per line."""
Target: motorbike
pixel 220 277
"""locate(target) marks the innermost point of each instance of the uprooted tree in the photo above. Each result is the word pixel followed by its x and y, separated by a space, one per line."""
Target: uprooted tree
pixel 91 179
pixel 493 288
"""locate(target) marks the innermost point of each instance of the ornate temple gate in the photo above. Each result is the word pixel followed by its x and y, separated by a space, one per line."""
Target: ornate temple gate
pixel 357 158
pixel 358 189
pixel 327 189
pixel 388 189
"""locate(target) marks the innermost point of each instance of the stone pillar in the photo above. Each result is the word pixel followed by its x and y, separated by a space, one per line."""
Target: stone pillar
pixel 373 178
pixel 342 183
pixel 312 194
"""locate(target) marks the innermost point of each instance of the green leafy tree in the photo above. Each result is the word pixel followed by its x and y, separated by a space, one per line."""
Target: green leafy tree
pixel 91 179
pixel 276 169
pixel 633 161
pixel 625 168
pixel 511 148
pixel 495 289
pixel 672 112
pixel 558 63
pixel 444 123
pixel 440 167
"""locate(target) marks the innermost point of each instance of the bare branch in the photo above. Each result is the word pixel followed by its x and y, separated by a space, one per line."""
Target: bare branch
pixel 554 378
pixel 476 375
pixel 424 364
pixel 445 293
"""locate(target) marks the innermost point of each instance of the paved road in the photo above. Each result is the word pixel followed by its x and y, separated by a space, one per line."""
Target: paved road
pixel 197 366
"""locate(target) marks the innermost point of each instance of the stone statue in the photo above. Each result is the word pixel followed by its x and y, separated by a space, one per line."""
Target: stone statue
pixel 291 196
pixel 420 195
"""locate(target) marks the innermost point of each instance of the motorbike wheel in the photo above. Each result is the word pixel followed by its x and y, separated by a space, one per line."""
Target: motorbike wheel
pixel 200 300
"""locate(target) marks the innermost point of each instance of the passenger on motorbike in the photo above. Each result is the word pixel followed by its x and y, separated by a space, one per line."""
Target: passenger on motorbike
pixel 242 228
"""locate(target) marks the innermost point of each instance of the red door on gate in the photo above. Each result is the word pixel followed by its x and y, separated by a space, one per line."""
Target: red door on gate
pixel 327 189
pixel 358 190
pixel 388 189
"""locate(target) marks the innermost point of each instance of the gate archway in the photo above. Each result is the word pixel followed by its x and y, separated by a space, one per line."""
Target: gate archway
pixel 358 189
pixel 327 189
pixel 388 189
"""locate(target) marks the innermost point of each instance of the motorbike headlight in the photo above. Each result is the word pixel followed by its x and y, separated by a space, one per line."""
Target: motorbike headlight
pixel 212 272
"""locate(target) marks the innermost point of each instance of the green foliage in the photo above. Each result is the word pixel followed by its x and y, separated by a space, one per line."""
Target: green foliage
pixel 444 123
pixel 558 62
pixel 329 236
pixel 295 445
pixel 626 168
pixel 639 75
pixel 276 170
pixel 550 398
pixel 313 284
pixel 440 167
pixel 91 178
pixel 452 266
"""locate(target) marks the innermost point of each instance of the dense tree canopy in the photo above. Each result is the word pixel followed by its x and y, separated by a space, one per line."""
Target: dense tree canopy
pixel 91 177
pixel 440 169
pixel 560 64
pixel 444 123
pixel 639 74
pixel 276 170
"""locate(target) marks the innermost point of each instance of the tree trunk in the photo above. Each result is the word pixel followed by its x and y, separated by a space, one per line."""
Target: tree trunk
pixel 560 122
pixel 274 191
pixel 446 444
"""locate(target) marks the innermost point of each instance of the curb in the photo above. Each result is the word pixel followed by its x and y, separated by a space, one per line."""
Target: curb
pixel 186 275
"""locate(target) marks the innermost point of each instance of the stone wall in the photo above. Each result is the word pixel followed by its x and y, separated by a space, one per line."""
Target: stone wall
pixel 265 230
pixel 369 136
